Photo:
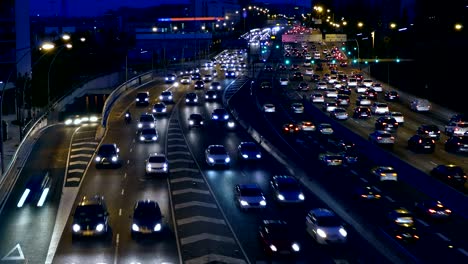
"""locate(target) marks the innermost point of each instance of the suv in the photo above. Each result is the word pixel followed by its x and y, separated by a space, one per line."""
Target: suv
pixel 107 154
pixel 91 218
pixel 146 120
pixel 142 99
pixel 420 105
pixel 456 129
pixel 386 123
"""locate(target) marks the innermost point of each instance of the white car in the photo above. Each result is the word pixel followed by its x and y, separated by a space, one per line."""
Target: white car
pixel 309 71
pixel 363 100
pixel 352 82
pixel 166 97
pixel 325 227
pixel 317 98
pixel 399 117
pixel 249 196
pixel 306 63
pixel 186 79
pixel 385 173
pixel 297 108
pixel 269 108
pixel 157 163
pixel 284 81
pixel 332 79
pixel 215 86
pixel 307 126
pixel 339 113
pixel 420 105
pixel 361 88
pixel 456 128
pixel 382 137
pixel 367 82
pixel 329 106
pixel 378 108
pixel 331 93
pixel 217 155
pixel 377 87
pixel 325 128
pixel 322 85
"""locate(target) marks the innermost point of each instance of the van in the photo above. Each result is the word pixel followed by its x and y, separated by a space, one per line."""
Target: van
pixel 420 105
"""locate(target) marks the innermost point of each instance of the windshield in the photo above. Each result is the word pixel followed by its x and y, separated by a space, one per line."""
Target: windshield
pixel 328 221
pixel 288 186
pixel 251 192
pixel 89 211
pixel 217 150
pixel 157 159
pixel 106 149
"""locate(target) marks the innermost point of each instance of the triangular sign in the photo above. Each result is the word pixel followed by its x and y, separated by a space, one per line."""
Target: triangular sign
pixel 15 253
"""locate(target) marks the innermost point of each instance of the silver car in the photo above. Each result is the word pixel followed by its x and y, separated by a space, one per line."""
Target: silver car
pixel 157 163
pixel 382 137
pixel 249 196
pixel 146 120
pixel 148 135
pixel 325 227
pixel 217 155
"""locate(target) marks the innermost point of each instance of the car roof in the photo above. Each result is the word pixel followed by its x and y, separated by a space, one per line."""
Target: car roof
pixel 91 200
pixel 249 186
pixel 322 212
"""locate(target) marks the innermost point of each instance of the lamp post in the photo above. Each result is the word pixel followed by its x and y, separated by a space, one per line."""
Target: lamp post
pixel 68 46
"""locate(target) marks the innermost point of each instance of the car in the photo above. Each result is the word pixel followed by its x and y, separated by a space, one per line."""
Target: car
pixel 325 227
pixel 382 138
pixel 211 95
pixel 303 86
pixel 331 159
pixel 367 82
pixel 404 234
pixel 146 120
pixel 307 126
pixel 333 79
pixel 90 218
pixel 216 86
pixel 378 108
pixel 186 79
pixel 367 192
pixel 147 219
pixel 401 217
pixel 297 108
pixel 196 76
pixel 309 71
pixel 77 120
pixel 249 150
pixel 159 108
pixel 286 189
pixel 269 68
pixel 315 78
pixel 385 173
pixel 321 85
pixel 36 190
pixel 339 145
pixel 207 78
pixel 377 87
pixel 371 93
pixel 142 99
pixel 166 97
pixel 283 81
pixel 432 209
pixel 219 114
pixel 450 173
pixel 199 85
pixel 230 74
pixel 325 128
pixel 265 85
pixel 329 106
pixel 195 120
pixel 157 163
pixel 420 105
pixel 362 112
pixel 170 78
pixel 297 76
pixel 217 155
pixel 306 64
pixel 107 154
pixel 392 95
pixel 191 98
pixel 359 77
pixel 317 98
pixel 459 118
pixel 399 117
pixel 331 93
pixel 291 128
pixel 294 67
pixel 457 144
pixel 339 113
pixel 352 82
pixel 269 108
pixel 344 90
pixel 249 196
pixel 420 143
pixel 456 129
pixel 430 130
pixel 148 134
pixel 363 100
pixel 386 123
pixel 342 99
pixel 361 88
pixel 276 238
pixel 282 67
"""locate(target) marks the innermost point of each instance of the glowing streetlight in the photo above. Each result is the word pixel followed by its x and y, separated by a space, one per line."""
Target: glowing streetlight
pixel 48 46
pixel 66 37
pixel 155 29
pixel 458 26
pixel 392 25
pixel 360 24
pixel 82 39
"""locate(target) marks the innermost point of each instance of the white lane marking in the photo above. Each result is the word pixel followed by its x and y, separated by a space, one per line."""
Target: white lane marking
pixel 204 236
pixel 200 218
pixel 81 156
pixel 215 258
pixel 354 172
pixel 131 150
pixel 85 143
pixel 128 161
pixel 364 180
pixel 116 252
pixel 184 179
pixel 433 163
pixel 443 237
pixel 76 170
pixel 183 169
pixel 390 199
pixel 120 211
pixel 464 252
pixel 181 160
pixel 194 203
pixel 125 175
pixel 122 192
pixel 190 190
pixel 176 139
pixel 178 152
pixel 14 254
pixel 78 162
pixel 422 222
pixel 80 149
pixel 377 189
pixel 74 179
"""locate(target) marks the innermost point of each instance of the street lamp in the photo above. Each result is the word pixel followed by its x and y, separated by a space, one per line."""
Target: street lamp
pixel 68 46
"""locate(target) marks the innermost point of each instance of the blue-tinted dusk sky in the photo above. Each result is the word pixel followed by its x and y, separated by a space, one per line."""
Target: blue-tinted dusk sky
pixel 98 7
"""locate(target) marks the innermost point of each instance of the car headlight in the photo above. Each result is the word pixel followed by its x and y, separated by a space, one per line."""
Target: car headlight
pixel 154 110
pixel 245 156
pixel 68 122
pixel 76 228
pixel 160 97
pixel 114 158
pixel 227 160
pixel 263 203
pixel 187 100
pixel 154 138
pixel 152 125
pixel 301 197
pixel 231 124
pixel 226 117
pixel 135 228
pixel 167 79
pixel 163 110
pixel 258 156
pixel 215 117
pixel 191 122
pixel 157 227
pixel 280 196
pixel 146 99
pixel 321 233
pixel 170 97
pixel 244 203
pixel 98 158
pixel 214 96
pixel 273 248
pixel 206 96
pixel 211 160
pixel 176 84
pixel 99 227
pixel 196 100
pixel 343 232
pixel 165 165
pixel 142 138
pixel 140 125
pixel 93 119
pixel 295 247
pixel 148 166
pixel 77 121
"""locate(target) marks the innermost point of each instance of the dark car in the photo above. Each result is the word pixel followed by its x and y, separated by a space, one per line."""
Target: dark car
pixel 404 234
pixel 276 238
pixel 159 108
pixel 195 120
pixel 196 76
pixel 367 192
pixel 199 85
pixel 391 96
pixel 362 112
pixel 420 143
pixel 432 209
pixel 450 173
pixel 147 219
pixel 107 154
pixel 315 78
pixel 36 190
pixel 170 78
pixel 148 134
pixel 286 189
pixel 297 76
pixel 191 98
pixel 220 114
pixel 429 130
pixel 457 144
pixel 142 99
pixel 211 95
pixel 386 123
pixel 90 218
pixel 459 118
